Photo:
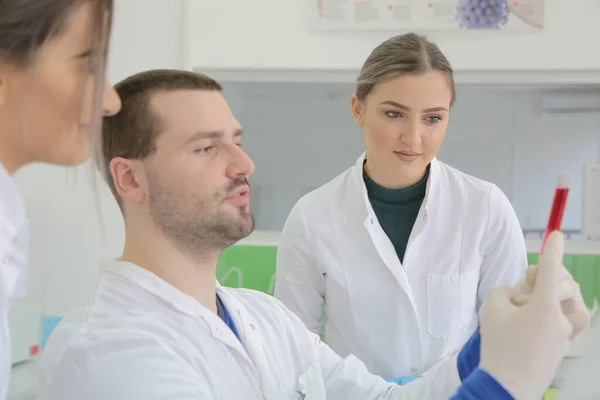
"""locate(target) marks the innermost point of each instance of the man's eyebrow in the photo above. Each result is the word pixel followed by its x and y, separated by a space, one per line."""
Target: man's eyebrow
pixel 205 135
pixel 212 135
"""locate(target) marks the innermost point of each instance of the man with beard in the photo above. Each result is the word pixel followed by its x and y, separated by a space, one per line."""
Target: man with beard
pixel 160 327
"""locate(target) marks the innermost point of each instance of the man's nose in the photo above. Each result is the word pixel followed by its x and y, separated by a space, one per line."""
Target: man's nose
pixel 241 164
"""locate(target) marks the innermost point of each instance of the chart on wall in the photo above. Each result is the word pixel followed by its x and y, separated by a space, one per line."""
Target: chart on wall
pixel 406 15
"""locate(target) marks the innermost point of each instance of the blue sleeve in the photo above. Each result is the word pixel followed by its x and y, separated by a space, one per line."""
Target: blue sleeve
pixel 468 357
pixel 480 385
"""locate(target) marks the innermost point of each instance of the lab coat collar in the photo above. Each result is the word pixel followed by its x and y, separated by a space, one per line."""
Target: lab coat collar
pixel 246 325
pixel 252 348
pixel 148 281
pixel 177 299
pixel 151 283
pixel 253 339
pixel 432 183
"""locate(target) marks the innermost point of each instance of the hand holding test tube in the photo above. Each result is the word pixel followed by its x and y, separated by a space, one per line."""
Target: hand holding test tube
pixel 569 289
pixel 570 296
pixel 558 206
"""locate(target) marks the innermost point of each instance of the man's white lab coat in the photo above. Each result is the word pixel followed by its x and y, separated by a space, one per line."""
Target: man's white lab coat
pixel 140 338
pixel 398 318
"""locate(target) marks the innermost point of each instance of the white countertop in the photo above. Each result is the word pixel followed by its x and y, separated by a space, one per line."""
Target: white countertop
pixel 24 381
pixel 271 238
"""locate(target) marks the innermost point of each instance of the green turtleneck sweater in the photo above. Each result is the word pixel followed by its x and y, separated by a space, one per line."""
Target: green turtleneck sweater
pixel 397 209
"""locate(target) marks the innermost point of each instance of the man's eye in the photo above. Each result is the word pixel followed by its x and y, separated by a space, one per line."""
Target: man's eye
pixel 204 150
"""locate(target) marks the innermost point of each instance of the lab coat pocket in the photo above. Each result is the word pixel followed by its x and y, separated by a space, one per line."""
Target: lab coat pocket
pixel 448 297
pixel 311 385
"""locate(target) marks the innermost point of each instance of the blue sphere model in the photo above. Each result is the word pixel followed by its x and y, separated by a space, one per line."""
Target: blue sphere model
pixel 482 14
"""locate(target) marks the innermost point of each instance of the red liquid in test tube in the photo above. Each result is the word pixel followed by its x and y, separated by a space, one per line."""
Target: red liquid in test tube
pixel 558 206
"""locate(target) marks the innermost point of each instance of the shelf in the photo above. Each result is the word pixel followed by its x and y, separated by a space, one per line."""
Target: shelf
pixel 488 77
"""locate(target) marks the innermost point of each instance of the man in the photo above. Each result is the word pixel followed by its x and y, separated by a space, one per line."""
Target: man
pixel 160 327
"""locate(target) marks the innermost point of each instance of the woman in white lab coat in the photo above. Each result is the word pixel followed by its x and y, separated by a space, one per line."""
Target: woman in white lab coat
pixel 401 249
pixel 52 94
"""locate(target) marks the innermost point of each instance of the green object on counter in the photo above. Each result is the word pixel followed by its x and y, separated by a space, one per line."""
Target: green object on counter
pixel 248 266
pixel 585 269
pixel 551 394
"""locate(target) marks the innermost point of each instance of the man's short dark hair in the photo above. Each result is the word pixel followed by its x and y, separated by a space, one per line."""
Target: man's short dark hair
pixel 132 132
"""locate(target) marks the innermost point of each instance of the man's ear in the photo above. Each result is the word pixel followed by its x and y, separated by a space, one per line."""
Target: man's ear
pixel 128 179
pixel 357 110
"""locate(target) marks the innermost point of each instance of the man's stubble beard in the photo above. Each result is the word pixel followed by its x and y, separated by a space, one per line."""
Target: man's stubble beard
pixel 199 226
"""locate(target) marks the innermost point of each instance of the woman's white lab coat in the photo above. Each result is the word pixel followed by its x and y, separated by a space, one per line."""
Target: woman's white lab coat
pixel 398 318
pixel 140 338
pixel 13 260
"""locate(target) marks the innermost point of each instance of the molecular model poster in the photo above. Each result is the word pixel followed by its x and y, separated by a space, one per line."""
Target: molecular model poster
pixel 425 14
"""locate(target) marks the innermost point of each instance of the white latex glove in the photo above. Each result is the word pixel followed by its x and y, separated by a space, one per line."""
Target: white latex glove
pixel 523 345
pixel 572 303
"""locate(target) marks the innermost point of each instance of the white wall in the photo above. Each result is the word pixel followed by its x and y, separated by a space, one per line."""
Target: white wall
pixel 146 34
pixel 302 135
pixel 225 34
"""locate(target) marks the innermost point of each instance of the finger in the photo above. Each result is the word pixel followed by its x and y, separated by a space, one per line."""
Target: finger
pixel 577 313
pixel 579 320
pixel 520 299
pixel 526 285
pixel 531 274
pixel 549 270
pixel 573 304
pixel 511 291
pixel 567 290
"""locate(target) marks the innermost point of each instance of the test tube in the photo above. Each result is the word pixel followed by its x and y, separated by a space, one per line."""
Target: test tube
pixel 558 205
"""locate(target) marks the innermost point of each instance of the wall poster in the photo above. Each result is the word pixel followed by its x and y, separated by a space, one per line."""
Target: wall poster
pixel 407 15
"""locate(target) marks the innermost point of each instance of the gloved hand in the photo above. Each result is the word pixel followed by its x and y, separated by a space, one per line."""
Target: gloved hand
pixel 403 380
pixel 523 345
pixel 572 303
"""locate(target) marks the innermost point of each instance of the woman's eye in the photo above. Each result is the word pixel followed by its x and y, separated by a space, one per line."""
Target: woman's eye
pixel 433 119
pixel 393 114
pixel 94 62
